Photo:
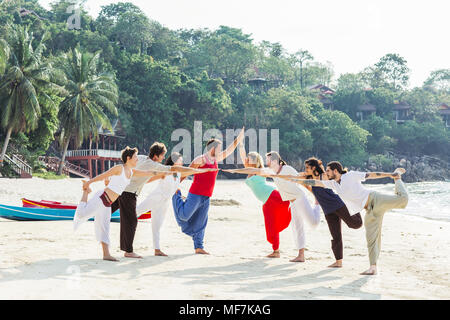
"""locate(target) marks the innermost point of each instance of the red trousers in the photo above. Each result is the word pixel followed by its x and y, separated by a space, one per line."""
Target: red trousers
pixel 277 217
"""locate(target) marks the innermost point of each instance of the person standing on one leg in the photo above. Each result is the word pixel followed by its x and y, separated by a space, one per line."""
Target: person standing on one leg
pixel 159 199
pixel 333 208
pixel 300 206
pixel 277 214
pixel 192 214
pixel 99 206
pixel 127 200
pixel 348 186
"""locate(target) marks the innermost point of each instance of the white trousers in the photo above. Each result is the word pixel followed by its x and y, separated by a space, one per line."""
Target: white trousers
pixel 302 210
pixel 102 216
pixel 157 204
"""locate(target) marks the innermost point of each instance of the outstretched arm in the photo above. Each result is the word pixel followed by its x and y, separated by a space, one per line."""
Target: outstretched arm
pixel 229 151
pixel 257 171
pixel 149 173
pixel 379 175
pixel 192 171
pixel 309 182
pixel 116 170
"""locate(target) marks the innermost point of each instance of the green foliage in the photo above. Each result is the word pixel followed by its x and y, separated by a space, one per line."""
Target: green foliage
pixel 157 80
pixel 337 137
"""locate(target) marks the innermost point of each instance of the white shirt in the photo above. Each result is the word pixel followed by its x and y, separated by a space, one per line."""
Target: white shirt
pixel 144 163
pixel 351 190
pixel 288 190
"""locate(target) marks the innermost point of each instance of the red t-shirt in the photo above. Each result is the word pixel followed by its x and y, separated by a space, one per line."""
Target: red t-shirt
pixel 203 184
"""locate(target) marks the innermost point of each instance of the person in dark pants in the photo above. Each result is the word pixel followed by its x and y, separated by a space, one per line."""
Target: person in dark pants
pixel 334 209
pixel 127 200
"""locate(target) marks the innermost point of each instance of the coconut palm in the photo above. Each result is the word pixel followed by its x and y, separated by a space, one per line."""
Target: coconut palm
pixel 25 76
pixel 90 94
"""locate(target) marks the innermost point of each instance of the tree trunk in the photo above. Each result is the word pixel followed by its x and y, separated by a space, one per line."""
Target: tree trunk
pixel 63 158
pixel 5 145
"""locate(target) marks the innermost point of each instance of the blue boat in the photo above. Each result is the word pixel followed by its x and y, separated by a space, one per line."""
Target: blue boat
pixel 42 214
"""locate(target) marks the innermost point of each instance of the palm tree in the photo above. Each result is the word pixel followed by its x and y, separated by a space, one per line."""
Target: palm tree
pixel 90 95
pixel 25 75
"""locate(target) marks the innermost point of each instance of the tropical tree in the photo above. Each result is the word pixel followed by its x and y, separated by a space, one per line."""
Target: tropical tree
pixel 91 95
pixel 27 75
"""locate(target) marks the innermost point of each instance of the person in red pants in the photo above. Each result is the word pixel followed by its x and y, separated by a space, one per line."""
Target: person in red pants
pixel 277 214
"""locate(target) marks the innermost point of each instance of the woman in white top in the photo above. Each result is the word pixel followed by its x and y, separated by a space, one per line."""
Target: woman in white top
pixel 161 197
pixel 300 206
pixel 99 206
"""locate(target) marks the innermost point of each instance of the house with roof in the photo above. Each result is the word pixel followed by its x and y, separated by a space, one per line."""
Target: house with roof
pixel 444 111
pixel 401 112
pixel 99 155
pixel 324 95
pixel 364 111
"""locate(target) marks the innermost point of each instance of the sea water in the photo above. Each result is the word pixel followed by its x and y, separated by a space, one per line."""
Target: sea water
pixel 426 199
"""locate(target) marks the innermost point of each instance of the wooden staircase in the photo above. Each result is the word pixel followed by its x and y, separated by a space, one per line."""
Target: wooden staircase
pixel 19 166
pixel 52 164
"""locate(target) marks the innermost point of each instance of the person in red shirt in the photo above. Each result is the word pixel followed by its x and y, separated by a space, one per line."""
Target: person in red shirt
pixel 192 214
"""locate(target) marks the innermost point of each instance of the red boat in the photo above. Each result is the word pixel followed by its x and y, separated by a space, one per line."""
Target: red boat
pixel 59 205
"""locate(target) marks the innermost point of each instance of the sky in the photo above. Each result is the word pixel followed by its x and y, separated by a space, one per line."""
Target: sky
pixel 351 34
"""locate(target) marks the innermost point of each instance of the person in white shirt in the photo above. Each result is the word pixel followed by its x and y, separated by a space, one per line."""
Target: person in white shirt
pixel 300 206
pixel 160 198
pixel 356 197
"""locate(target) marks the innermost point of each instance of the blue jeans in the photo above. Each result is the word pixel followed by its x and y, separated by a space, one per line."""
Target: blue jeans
pixel 192 216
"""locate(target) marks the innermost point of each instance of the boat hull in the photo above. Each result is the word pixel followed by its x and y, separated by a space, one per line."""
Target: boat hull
pixel 42 214
pixel 27 203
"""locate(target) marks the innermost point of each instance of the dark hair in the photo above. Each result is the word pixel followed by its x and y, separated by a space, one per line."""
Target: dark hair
pixel 157 149
pixel 276 156
pixel 212 143
pixel 170 161
pixel 316 164
pixel 336 165
pixel 128 152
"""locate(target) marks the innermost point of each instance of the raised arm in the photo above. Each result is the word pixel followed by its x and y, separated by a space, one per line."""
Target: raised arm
pixel 229 151
pixel 242 153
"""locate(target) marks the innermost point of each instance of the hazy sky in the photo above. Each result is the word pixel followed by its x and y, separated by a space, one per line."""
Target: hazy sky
pixel 351 34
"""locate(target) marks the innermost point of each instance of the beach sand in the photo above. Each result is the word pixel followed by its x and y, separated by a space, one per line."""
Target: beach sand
pixel 47 260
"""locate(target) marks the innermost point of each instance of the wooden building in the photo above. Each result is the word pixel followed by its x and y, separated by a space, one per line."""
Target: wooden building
pixel 99 155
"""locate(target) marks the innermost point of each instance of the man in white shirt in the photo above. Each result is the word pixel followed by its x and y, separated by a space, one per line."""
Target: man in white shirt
pixel 348 186
pixel 300 207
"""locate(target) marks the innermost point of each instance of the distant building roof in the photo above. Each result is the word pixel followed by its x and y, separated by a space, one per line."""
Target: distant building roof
pixel 323 89
pixel 367 107
pixel 401 106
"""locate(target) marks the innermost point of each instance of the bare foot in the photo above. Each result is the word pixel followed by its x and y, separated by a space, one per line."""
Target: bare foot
pixel 370 272
pixel 200 251
pixel 275 254
pixel 160 253
pixel 132 255
pixel 337 264
pixel 299 258
pixel 110 258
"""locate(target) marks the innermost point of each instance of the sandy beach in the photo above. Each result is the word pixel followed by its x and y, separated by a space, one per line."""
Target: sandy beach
pixel 47 260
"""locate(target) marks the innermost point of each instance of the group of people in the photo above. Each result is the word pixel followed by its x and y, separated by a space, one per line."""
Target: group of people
pixel 339 193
